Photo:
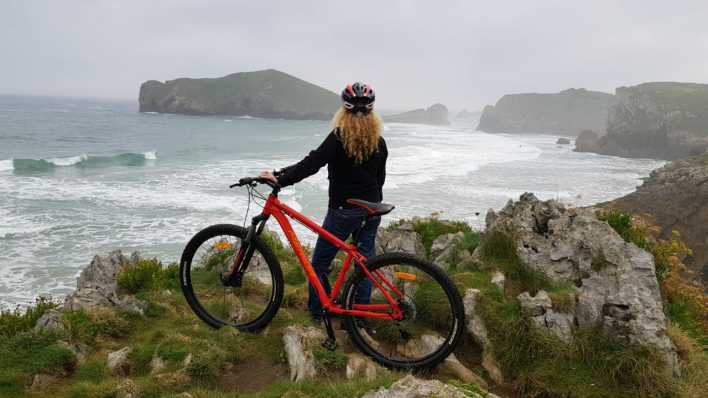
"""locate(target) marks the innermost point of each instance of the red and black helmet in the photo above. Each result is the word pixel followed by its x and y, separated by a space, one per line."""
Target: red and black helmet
pixel 358 97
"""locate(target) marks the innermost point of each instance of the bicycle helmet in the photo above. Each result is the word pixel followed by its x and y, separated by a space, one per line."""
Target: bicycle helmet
pixel 358 97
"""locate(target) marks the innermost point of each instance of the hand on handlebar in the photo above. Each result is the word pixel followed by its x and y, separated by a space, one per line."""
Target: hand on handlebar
pixel 268 175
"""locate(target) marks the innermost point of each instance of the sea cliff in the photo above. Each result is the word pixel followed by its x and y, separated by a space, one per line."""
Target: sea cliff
pixel 565 113
pixel 663 120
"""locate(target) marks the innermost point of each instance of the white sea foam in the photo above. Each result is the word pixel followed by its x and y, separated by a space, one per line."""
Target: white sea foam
pixel 150 155
pixel 68 161
pixel 6 165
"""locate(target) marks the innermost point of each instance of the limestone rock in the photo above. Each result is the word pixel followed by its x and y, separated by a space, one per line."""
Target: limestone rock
pixel 428 343
pixel 80 350
pixel 157 364
pixel 617 285
pixel 42 381
pixel 299 341
pixel 401 238
pixel 50 320
pixel 443 248
pixel 118 363
pixel 498 279
pixel 476 327
pixel 540 309
pixel 127 389
pixel 97 286
pixel 413 387
pixel 361 366
pixel 535 305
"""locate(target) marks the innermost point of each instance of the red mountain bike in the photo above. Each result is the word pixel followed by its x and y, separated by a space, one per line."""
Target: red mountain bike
pixel 413 319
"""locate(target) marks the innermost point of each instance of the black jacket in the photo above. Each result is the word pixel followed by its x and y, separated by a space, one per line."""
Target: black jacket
pixel 347 179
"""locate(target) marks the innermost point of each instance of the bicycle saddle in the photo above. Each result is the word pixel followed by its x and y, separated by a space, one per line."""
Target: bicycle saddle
pixel 374 209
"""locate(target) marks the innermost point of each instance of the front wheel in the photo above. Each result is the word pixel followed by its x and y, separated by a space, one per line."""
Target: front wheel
pixel 433 320
pixel 206 259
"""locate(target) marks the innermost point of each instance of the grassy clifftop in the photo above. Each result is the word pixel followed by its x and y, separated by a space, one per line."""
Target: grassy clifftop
pixel 173 354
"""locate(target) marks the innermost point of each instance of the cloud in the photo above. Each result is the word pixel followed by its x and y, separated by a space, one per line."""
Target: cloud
pixel 461 53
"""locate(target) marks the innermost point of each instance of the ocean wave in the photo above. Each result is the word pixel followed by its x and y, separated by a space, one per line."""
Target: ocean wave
pixel 83 161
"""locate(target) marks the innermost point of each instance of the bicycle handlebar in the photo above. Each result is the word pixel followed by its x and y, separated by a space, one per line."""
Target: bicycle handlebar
pixel 255 180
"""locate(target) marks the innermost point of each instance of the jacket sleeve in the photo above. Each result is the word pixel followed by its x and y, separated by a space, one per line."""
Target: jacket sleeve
pixel 310 164
pixel 381 176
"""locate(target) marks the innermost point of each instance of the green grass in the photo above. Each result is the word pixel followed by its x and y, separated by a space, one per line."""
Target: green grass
pixel 85 327
pixel 26 354
pixel 684 315
pixel 327 361
pixel 92 370
pixel 18 321
pixel 499 251
pixel 148 275
pixel 430 229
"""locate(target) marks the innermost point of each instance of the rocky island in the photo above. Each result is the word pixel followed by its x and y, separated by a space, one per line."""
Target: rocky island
pixel 565 113
pixel 661 120
pixel 266 94
pixel 436 114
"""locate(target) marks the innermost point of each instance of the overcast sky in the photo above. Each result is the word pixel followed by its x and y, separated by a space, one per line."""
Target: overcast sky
pixel 464 54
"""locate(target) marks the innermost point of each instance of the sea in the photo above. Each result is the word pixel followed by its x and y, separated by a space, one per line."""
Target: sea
pixel 80 177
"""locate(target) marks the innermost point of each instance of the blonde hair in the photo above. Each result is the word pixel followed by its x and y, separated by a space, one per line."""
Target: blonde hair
pixel 359 134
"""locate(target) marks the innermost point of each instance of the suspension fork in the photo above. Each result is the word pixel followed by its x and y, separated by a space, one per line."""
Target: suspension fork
pixel 245 252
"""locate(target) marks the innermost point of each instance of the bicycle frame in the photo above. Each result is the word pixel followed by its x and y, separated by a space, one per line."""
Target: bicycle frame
pixel 274 207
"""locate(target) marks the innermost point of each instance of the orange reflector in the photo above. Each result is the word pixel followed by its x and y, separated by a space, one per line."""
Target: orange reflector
pixel 405 275
pixel 223 245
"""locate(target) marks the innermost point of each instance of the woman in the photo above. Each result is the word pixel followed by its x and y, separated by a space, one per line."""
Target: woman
pixel 355 155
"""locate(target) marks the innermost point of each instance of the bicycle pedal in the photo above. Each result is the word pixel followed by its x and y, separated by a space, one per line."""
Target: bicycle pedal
pixel 329 344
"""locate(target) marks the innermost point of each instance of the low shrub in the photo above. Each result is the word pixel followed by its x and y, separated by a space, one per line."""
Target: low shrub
pixel 85 326
pixel 22 320
pixel 28 353
pixel 327 361
pixel 146 275
pixel 92 370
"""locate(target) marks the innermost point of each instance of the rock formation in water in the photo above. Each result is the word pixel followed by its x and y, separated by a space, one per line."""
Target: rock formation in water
pixel 676 197
pixel 657 120
pixel 435 115
pixel 586 141
pixel 565 113
pixel 266 94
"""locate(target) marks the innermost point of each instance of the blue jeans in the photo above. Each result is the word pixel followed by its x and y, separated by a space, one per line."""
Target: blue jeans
pixel 342 223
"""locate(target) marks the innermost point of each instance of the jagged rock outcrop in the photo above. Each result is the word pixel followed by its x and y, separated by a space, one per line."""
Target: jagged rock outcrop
pixel 478 330
pixel 663 120
pixel 96 286
pixel 436 114
pixel 266 94
pixel 540 309
pixel 443 249
pixel 413 387
pixel 616 282
pixel 565 113
pixel 118 362
pixel 676 197
pixel 298 342
pixel 50 320
pixel 400 238
pixel 361 366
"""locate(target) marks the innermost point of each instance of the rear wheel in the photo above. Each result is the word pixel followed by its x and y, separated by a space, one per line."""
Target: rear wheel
pixel 207 257
pixel 433 313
